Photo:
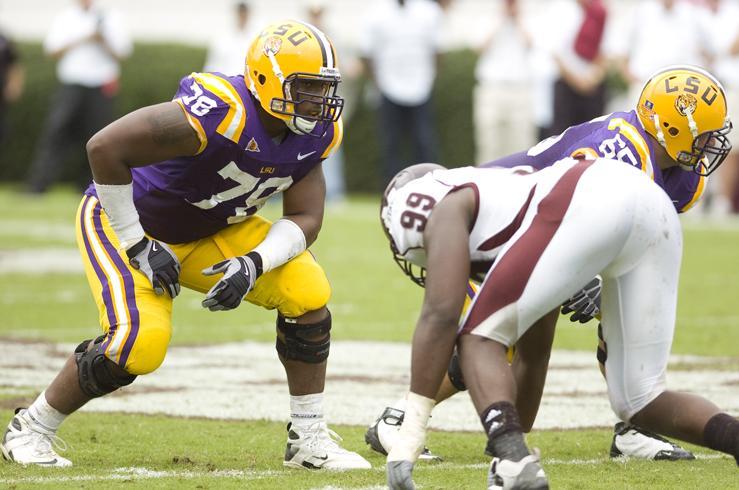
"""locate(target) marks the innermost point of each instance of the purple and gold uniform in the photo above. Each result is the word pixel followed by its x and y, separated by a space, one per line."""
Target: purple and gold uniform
pixel 202 206
pixel 617 136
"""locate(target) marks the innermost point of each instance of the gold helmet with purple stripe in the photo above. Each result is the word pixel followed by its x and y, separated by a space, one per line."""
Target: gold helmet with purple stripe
pixel 684 109
pixel 291 68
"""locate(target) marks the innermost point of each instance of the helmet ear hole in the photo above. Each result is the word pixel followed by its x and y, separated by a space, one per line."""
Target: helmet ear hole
pixel 262 79
pixel 673 131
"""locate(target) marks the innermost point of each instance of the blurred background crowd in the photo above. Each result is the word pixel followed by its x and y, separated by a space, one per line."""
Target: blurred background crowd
pixel 457 82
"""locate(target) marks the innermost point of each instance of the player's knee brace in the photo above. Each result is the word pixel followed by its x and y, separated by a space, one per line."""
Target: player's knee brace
pixel 454 371
pixel 304 342
pixel 97 374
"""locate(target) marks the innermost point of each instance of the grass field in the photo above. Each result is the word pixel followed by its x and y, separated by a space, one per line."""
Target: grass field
pixel 371 301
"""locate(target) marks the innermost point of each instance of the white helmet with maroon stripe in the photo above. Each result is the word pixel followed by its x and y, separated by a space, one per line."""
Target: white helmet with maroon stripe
pixel 416 272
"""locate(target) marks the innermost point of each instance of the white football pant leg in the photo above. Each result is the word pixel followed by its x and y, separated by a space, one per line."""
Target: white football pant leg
pixel 624 227
pixel 639 303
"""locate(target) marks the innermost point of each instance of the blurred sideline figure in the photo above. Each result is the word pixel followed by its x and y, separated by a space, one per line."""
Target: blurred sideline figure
pixel 528 225
pixel 12 77
pixel 502 101
pixel 174 199
pixel 544 72
pixel 89 42
pixel 400 50
pixel 333 166
pixel 580 91
pixel 646 46
pixel 657 138
pixel 226 52
pixel 721 21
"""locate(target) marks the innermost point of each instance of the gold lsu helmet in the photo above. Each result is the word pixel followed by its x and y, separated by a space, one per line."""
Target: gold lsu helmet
pixel 684 109
pixel 282 55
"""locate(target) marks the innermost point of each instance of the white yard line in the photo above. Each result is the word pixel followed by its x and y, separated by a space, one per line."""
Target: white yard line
pixel 40 261
pixel 143 474
pixel 139 473
pixel 363 377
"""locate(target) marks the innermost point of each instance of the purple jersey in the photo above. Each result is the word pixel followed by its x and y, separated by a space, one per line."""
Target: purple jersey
pixel 618 136
pixel 237 168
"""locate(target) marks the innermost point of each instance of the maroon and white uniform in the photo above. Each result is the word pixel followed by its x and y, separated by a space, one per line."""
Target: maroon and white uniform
pixel 547 234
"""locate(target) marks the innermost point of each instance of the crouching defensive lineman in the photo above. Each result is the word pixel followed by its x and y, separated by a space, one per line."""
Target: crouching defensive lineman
pixel 530 225
pixel 176 188
pixel 677 135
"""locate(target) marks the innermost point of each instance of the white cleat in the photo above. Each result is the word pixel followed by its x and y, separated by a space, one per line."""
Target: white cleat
pixel 631 441
pixel 27 443
pixel 526 474
pixel 383 433
pixel 316 448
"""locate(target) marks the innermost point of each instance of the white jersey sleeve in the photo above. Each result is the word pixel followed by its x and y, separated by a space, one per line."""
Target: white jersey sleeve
pixel 501 194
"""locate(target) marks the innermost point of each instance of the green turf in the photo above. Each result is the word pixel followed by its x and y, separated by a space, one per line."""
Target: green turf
pixel 102 443
pixel 371 299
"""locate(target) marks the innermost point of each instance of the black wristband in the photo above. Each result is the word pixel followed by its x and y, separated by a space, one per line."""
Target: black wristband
pixel 137 248
pixel 257 259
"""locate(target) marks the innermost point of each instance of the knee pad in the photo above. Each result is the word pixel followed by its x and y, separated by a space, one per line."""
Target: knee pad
pixel 97 374
pixel 294 340
pixel 454 371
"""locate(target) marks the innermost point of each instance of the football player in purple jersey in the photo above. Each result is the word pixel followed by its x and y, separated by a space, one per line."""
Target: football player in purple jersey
pixel 677 135
pixel 173 202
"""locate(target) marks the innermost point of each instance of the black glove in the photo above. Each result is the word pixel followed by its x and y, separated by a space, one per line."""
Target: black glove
pixel 585 304
pixel 158 263
pixel 239 275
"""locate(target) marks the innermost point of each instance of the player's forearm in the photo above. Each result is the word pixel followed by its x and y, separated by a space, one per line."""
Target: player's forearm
pixel 284 241
pixel 114 187
pixel 309 224
pixel 106 162
pixel 433 344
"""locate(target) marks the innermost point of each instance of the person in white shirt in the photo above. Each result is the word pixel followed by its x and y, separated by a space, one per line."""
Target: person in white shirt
pixel 502 107
pixel 721 20
pixel 226 53
pixel 400 48
pixel 89 43
pixel 662 33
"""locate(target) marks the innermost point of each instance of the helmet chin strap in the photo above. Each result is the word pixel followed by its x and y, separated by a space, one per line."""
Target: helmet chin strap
pixel 660 133
pixel 299 125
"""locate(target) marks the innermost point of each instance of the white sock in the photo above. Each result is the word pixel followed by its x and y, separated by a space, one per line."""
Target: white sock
pixel 44 414
pixel 306 410
pixel 400 404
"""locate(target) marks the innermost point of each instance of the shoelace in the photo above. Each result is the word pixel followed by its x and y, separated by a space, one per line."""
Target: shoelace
pixel 320 433
pixel 45 442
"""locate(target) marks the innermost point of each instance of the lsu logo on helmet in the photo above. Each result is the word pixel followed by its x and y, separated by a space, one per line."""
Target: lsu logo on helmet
pixel 684 109
pixel 282 60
